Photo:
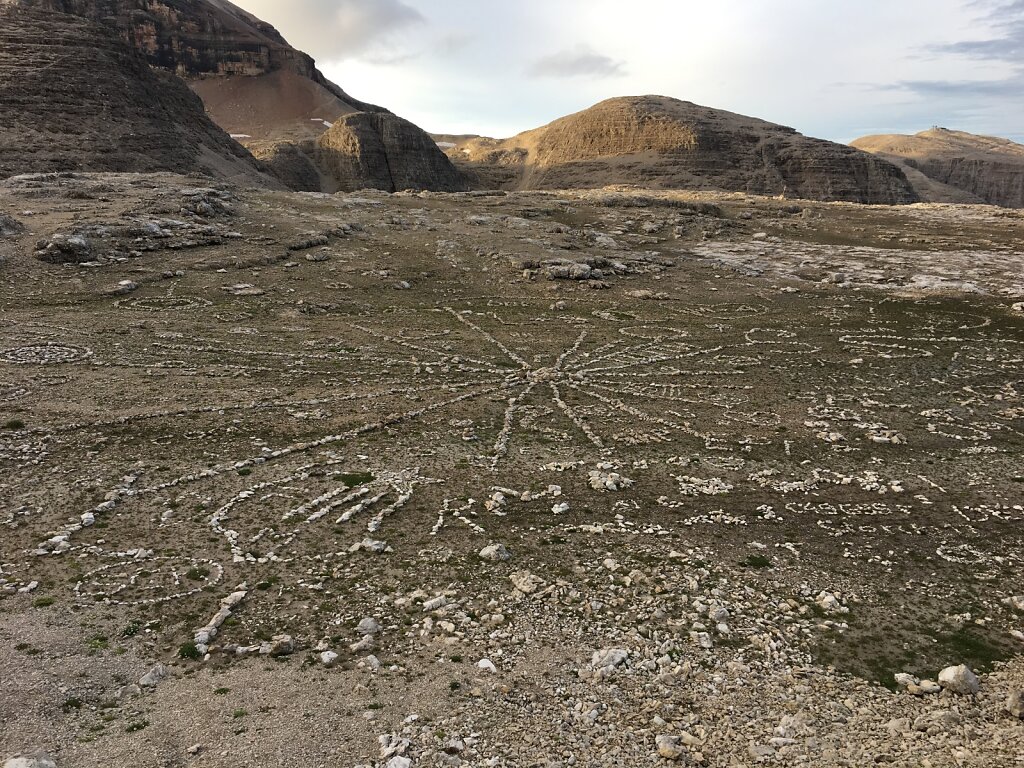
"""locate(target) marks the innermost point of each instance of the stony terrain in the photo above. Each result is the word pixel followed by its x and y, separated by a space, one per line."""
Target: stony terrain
pixel 663 143
pixel 953 166
pixel 73 97
pixel 585 478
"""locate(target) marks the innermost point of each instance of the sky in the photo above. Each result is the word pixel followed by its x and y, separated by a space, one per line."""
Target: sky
pixel 829 68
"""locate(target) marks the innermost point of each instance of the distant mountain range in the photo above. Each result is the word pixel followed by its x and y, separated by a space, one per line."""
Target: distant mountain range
pixel 99 85
pixel 664 143
pixel 957 167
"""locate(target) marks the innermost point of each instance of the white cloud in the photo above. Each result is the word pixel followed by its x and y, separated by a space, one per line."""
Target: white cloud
pixel 579 62
pixel 834 70
pixel 336 28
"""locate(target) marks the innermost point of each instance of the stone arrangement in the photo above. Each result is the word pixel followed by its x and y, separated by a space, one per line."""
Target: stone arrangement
pixel 740 519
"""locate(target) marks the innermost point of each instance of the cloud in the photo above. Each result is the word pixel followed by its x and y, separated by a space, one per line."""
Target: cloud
pixel 965 89
pixel 1008 46
pixel 970 98
pixel 337 29
pixel 580 62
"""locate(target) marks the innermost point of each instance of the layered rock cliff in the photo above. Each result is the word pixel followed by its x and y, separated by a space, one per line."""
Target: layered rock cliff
pixel 956 166
pixel 382 151
pixel 75 97
pixel 663 143
pixel 253 83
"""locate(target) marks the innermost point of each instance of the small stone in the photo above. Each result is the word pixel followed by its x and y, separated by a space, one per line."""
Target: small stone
pixel 670 747
pixel 1015 704
pixel 399 762
pixel 328 658
pixel 368 626
pixel 959 680
pixel 243 289
pixel 40 760
pixel 937 722
pixel 195 749
pixel 525 582
pixel 123 288
pixel 127 692
pixel 495 553
pixel 363 645
pixel 903 680
pixel 279 645
pixel 153 678
pixel 370 545
pixel 609 658
pixel 487 666
pixel 435 603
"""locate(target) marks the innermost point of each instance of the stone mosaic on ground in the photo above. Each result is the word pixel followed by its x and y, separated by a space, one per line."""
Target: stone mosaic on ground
pixel 697 479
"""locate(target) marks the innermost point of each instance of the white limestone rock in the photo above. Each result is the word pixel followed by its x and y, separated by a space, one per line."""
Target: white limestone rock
pixel 959 679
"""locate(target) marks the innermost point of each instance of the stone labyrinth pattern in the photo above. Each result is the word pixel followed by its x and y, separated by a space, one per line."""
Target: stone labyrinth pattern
pixel 865 426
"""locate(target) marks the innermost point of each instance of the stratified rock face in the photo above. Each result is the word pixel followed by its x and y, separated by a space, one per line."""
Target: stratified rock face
pixel 74 97
pixel 374 150
pixel 292 164
pixel 982 168
pixel 253 83
pixel 663 143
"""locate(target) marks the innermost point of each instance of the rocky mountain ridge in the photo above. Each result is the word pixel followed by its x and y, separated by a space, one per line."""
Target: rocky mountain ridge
pixel 254 84
pixel 954 166
pixel 664 143
pixel 74 97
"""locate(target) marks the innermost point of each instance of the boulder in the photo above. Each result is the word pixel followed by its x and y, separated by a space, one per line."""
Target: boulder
pixel 960 680
pixel 39 760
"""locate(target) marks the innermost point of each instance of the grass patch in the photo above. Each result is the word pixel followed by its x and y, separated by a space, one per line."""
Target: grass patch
pixel 354 479
pixel 189 651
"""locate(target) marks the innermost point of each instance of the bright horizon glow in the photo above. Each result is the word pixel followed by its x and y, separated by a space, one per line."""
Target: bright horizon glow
pixel 835 71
